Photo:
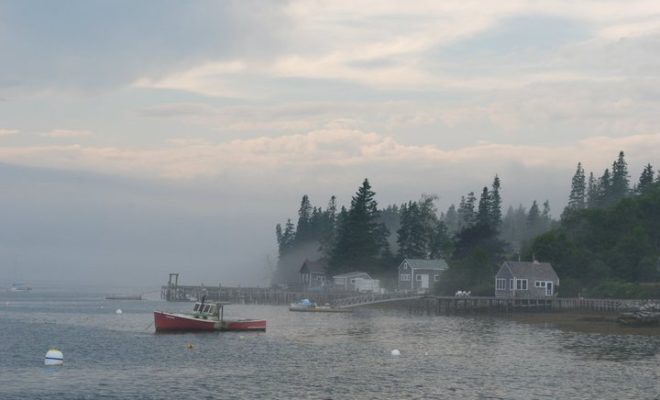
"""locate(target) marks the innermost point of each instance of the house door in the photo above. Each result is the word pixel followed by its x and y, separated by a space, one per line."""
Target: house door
pixel 548 289
pixel 425 281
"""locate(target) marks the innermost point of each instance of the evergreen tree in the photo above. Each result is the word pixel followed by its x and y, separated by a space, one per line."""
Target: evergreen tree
pixel 451 219
pixel 592 191
pixel 533 221
pixel 507 233
pixel 495 204
pixel 361 240
pixel 546 219
pixel 461 221
pixel 286 239
pixel 419 235
pixel 645 179
pixel 327 236
pixel 604 189
pixel 303 229
pixel 412 239
pixel 466 214
pixel 483 213
pixel 620 186
pixel 577 200
pixel 441 243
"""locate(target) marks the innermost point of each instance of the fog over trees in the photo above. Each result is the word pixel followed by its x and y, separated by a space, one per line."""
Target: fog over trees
pixel 475 236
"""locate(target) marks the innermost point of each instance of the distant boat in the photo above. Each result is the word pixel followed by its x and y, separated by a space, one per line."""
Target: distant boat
pixel 19 287
pixel 305 305
pixel 206 317
pixel 126 297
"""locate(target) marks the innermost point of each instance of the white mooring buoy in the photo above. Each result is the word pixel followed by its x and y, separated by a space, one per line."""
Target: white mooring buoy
pixel 54 357
pixel 119 311
pixel 396 352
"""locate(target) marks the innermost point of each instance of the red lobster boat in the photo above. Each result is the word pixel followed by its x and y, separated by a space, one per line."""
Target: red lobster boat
pixel 205 317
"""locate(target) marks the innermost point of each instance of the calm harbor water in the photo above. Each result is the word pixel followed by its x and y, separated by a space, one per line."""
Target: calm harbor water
pixel 308 355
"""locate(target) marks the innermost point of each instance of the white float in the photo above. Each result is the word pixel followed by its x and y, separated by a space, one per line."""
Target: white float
pixel 396 352
pixel 119 311
pixel 54 357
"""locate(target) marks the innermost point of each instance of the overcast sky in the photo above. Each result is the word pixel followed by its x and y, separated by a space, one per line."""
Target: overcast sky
pixel 139 138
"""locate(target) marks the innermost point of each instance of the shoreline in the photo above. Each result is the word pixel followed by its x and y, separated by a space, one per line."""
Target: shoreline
pixel 581 321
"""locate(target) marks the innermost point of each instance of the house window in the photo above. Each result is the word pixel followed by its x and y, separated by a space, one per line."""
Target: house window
pixel 511 284
pixel 418 277
pixel 521 284
pixel 539 284
pixel 436 277
pixel 500 284
pixel 405 277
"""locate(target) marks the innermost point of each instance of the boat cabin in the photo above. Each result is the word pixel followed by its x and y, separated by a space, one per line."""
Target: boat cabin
pixel 209 310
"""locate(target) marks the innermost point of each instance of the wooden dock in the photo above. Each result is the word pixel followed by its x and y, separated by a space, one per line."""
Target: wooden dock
pixel 491 305
pixel 414 302
pixel 248 295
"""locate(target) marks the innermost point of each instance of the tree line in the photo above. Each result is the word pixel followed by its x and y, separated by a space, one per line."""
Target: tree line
pixel 474 237
pixel 608 241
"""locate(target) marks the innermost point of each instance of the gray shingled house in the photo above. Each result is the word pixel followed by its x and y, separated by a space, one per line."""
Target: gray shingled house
pixel 312 274
pixel 420 275
pixel 526 279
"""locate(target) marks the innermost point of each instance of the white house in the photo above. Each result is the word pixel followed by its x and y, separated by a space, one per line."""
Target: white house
pixel 358 281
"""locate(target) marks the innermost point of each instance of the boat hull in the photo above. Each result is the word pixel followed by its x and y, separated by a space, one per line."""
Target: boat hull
pixel 169 322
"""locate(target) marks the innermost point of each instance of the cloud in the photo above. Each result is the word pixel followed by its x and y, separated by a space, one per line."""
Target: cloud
pixel 324 152
pixel 68 133
pixel 395 46
pixel 7 132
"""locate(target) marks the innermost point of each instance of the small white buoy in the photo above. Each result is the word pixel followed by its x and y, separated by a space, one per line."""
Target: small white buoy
pixel 396 352
pixel 54 357
pixel 119 311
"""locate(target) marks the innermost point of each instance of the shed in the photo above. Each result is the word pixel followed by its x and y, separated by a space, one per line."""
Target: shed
pixel 526 279
pixel 312 274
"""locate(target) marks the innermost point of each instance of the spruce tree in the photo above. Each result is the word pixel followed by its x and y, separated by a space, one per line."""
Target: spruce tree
pixel 533 221
pixel 592 191
pixel 451 219
pixel 546 219
pixel 604 196
pixel 483 213
pixel 576 200
pixel 645 179
pixel 466 212
pixel 412 239
pixel 303 229
pixel 287 238
pixel 620 184
pixel 361 240
pixel 495 204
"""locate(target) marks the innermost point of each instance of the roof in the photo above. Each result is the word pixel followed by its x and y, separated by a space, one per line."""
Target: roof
pixel 535 269
pixel 314 267
pixel 353 275
pixel 418 263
